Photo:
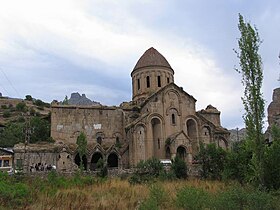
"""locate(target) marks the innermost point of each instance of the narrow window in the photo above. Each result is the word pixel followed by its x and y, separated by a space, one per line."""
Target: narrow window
pixel 99 139
pixel 148 81
pixel 167 80
pixel 158 141
pixel 138 84
pixel 173 120
pixel 117 140
pixel 158 81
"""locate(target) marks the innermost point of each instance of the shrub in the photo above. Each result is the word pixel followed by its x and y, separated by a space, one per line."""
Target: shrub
pixel 192 198
pixel 38 102
pixel 156 199
pixel 6 114
pixel 21 106
pixel 28 98
pixel 4 106
pixel 146 171
pixel 212 159
pixel 179 167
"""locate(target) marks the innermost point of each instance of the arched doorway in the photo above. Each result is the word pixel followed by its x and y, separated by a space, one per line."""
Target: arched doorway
pixel 181 152
pixel 78 161
pixel 192 134
pixel 113 161
pixel 156 128
pixel 167 153
pixel 94 159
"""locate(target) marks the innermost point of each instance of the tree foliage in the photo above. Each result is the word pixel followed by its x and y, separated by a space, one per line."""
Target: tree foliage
pixel 212 159
pixel 179 167
pixel 82 145
pixel 252 77
pixel 237 164
pixel 272 160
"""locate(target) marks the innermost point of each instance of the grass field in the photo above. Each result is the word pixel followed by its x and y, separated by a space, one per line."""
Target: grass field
pixel 79 192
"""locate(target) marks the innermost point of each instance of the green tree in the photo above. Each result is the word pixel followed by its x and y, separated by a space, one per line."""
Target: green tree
pixel 28 98
pixel 252 77
pixel 237 162
pixel 40 130
pixel 212 159
pixel 272 160
pixel 82 146
pixel 12 134
pixel 179 168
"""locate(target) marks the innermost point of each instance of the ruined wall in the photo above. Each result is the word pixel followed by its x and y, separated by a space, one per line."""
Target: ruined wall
pixel 103 123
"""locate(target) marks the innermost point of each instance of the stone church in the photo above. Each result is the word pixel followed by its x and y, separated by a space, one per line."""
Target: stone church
pixel 161 121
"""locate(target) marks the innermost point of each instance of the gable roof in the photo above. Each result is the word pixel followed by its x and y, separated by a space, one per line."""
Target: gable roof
pixel 180 89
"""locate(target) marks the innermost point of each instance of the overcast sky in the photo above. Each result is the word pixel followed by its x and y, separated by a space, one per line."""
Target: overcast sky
pixel 51 48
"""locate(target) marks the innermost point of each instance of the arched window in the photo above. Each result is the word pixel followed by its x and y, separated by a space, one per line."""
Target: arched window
pixel 168 80
pixel 158 80
pixel 148 81
pixel 138 84
pixel 117 140
pixel 99 140
pixel 173 119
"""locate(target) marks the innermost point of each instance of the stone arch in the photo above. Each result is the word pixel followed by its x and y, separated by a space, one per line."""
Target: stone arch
pixel 78 161
pixel 113 160
pixel 192 133
pixel 206 134
pixel 156 135
pixel 181 152
pixel 173 113
pixel 169 92
pixel 94 159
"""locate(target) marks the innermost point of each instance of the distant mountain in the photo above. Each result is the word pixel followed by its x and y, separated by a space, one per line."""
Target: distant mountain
pixel 237 134
pixel 77 99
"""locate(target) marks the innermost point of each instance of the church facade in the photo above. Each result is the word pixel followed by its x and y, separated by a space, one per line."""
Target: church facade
pixel 161 121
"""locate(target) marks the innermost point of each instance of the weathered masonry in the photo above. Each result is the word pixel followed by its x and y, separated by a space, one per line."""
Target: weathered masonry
pixel 161 121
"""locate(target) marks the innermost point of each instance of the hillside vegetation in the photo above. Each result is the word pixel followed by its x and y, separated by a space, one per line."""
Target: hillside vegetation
pixel 17 115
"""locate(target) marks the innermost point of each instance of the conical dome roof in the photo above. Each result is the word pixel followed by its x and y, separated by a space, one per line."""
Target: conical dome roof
pixel 152 58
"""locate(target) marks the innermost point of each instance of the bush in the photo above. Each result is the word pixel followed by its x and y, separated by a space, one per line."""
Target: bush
pixel 13 193
pixel 212 160
pixel 179 167
pixel 238 197
pixel 156 199
pixel 192 198
pixel 6 114
pixel 21 106
pixel 38 102
pixel 146 171
pixel 28 98
pixel 4 106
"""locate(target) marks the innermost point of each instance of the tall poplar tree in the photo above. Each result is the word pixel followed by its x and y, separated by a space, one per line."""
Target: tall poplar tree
pixel 82 147
pixel 252 76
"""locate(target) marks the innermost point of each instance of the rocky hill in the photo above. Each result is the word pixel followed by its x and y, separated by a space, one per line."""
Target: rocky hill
pixel 77 99
pixel 11 109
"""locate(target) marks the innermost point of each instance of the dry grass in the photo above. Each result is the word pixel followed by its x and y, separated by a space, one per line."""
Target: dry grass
pixel 116 194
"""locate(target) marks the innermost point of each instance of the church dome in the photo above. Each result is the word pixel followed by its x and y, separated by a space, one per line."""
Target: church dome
pixel 152 58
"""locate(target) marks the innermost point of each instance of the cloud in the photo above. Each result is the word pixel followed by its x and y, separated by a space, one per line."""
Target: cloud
pixel 92 46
